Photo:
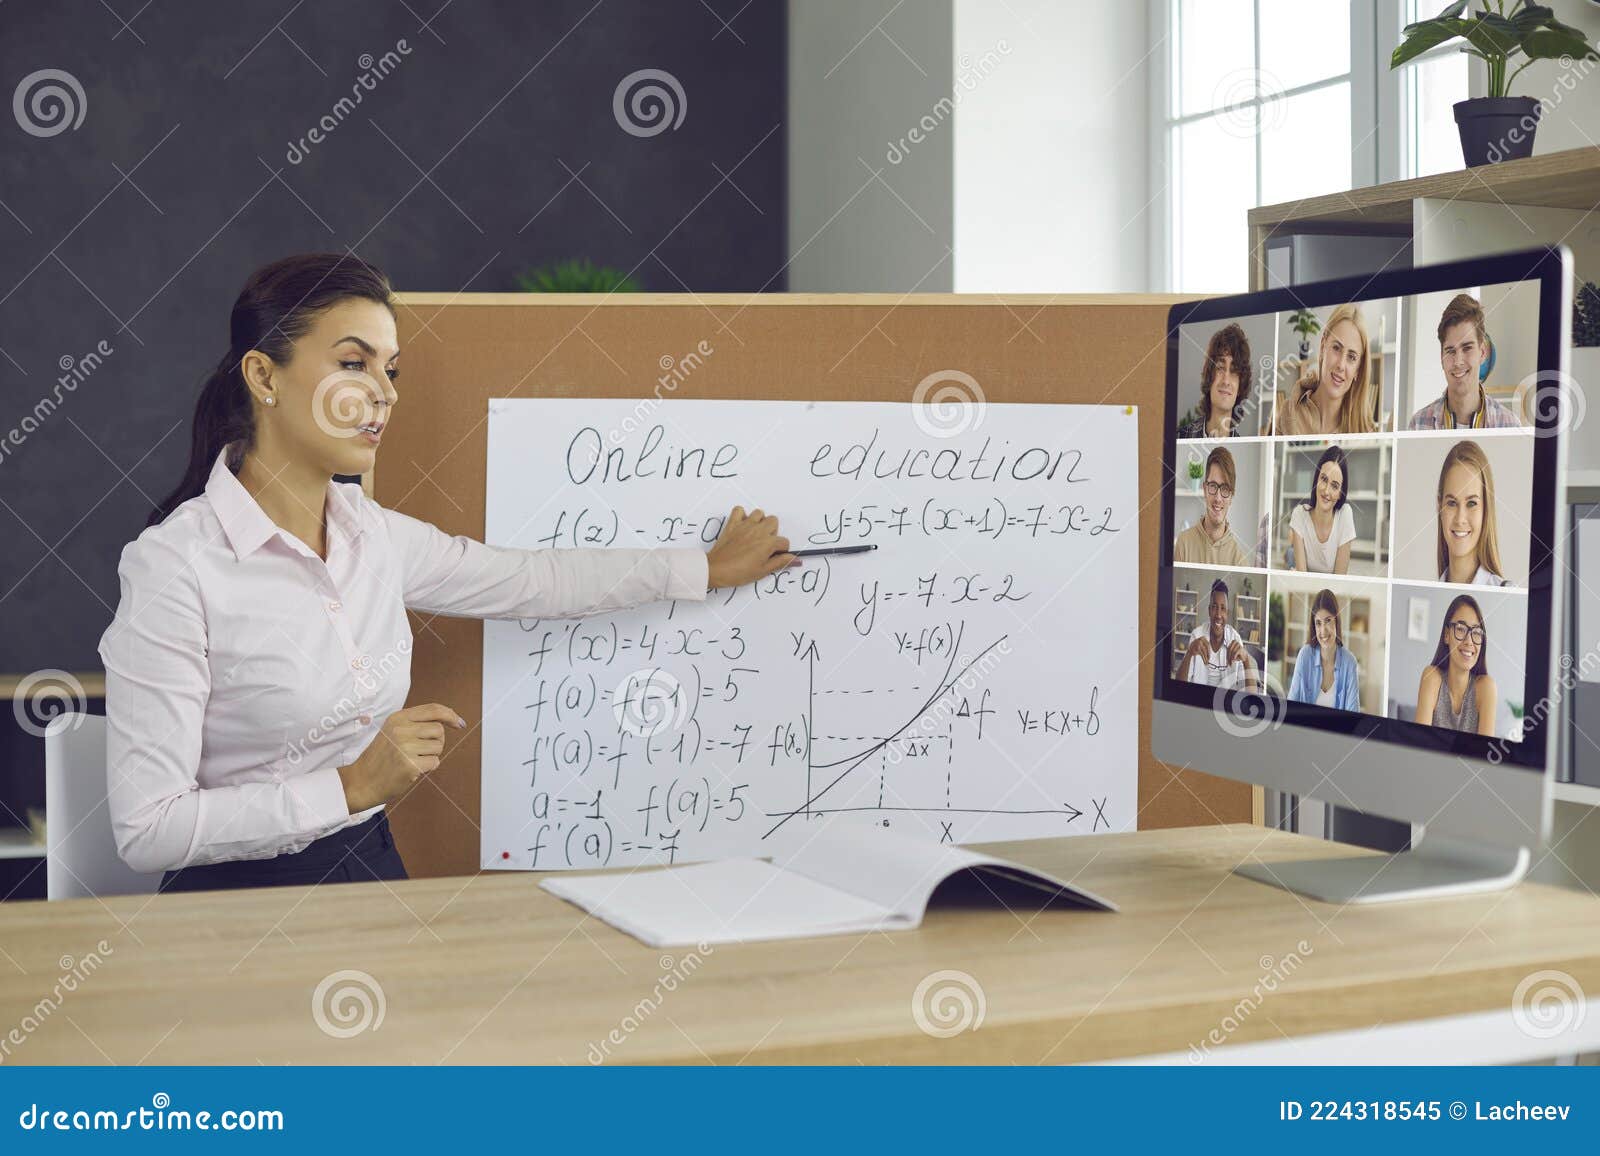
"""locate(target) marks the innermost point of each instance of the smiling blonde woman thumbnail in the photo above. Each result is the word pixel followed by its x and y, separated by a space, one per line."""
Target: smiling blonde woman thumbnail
pixel 1322 527
pixel 259 660
pixel 1456 692
pixel 1325 672
pixel 1334 396
pixel 1211 541
pixel 1225 382
pixel 1468 550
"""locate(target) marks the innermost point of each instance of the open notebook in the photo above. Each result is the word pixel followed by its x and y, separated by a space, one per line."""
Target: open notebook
pixel 841 879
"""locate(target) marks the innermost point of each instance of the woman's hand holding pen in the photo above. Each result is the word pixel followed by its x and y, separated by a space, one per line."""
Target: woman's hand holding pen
pixel 408 747
pixel 748 548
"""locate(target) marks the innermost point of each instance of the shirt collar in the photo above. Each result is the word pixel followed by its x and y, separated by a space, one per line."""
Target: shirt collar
pixel 244 521
pixel 1472 422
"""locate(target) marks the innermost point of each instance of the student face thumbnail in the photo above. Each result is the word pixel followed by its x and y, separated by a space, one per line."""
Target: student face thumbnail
pixel 1468 542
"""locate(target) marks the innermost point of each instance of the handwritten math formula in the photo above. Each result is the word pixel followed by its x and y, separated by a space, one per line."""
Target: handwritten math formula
pixel 973 679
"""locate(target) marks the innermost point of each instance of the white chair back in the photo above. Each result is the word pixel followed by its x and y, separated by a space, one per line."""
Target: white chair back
pixel 80 853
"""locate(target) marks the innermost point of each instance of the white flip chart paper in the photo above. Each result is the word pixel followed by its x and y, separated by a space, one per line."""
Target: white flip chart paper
pixel 973 679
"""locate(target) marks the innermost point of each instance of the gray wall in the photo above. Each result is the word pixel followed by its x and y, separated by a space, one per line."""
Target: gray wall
pixel 490 146
pixel 871 209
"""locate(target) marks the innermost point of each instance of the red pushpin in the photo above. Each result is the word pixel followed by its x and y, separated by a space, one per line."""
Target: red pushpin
pixel 505 854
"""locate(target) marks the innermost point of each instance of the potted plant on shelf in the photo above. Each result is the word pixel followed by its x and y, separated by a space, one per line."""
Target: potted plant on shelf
pixel 1498 126
pixel 1305 323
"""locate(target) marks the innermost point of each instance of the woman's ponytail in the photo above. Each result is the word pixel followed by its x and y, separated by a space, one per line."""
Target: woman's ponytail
pixel 278 304
pixel 221 415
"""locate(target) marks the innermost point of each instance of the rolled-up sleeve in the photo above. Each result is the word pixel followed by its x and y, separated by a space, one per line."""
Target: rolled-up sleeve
pixel 457 575
pixel 158 682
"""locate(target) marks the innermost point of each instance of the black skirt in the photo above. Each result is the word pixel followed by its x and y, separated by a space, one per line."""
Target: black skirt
pixel 357 854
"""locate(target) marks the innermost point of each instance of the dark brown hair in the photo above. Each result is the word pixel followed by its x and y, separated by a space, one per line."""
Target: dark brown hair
pixel 1336 455
pixel 1325 600
pixel 1229 341
pixel 278 304
pixel 1441 656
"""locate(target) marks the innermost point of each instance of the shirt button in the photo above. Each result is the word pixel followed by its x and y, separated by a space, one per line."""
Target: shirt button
pixel 365 720
pixel 335 606
pixel 355 664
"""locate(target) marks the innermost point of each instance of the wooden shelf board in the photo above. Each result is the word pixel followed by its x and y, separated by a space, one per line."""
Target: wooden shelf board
pixel 93 683
pixel 1562 180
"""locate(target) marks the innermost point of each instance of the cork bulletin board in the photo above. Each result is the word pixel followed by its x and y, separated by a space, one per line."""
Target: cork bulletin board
pixel 459 350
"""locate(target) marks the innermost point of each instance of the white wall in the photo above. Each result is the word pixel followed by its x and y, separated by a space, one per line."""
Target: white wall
pixel 1051 143
pixel 1573 120
pixel 862 75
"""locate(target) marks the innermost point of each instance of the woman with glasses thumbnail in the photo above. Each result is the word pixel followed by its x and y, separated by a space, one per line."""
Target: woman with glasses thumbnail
pixel 1211 540
pixel 1457 692
pixel 1325 672
pixel 1322 527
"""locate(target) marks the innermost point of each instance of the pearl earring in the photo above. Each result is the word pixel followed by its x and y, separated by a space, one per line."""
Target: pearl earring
pixel 269 401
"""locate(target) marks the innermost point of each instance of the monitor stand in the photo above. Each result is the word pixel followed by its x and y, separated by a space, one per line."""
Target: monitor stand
pixel 1436 866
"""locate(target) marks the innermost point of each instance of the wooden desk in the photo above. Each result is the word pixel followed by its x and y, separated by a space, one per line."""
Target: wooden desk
pixel 489 969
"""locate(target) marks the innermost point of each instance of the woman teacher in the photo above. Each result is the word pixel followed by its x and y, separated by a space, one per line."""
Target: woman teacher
pixel 259 661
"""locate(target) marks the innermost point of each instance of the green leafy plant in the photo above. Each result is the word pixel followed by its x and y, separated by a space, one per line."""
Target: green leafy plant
pixel 1497 37
pixel 1305 323
pixel 576 277
pixel 1586 316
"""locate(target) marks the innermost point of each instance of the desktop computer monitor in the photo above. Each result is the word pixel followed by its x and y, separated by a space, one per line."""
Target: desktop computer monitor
pixel 1361 562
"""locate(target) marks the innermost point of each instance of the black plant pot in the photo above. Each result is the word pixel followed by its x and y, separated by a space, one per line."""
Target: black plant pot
pixel 1496 128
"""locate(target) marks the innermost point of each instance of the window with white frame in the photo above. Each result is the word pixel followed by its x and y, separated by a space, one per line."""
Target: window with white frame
pixel 1430 86
pixel 1258 102
pixel 1263 101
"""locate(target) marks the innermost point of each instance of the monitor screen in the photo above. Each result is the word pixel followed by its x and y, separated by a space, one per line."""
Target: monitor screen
pixel 1358 517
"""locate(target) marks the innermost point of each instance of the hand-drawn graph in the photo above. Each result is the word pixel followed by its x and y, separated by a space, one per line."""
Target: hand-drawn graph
pixel 972 679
